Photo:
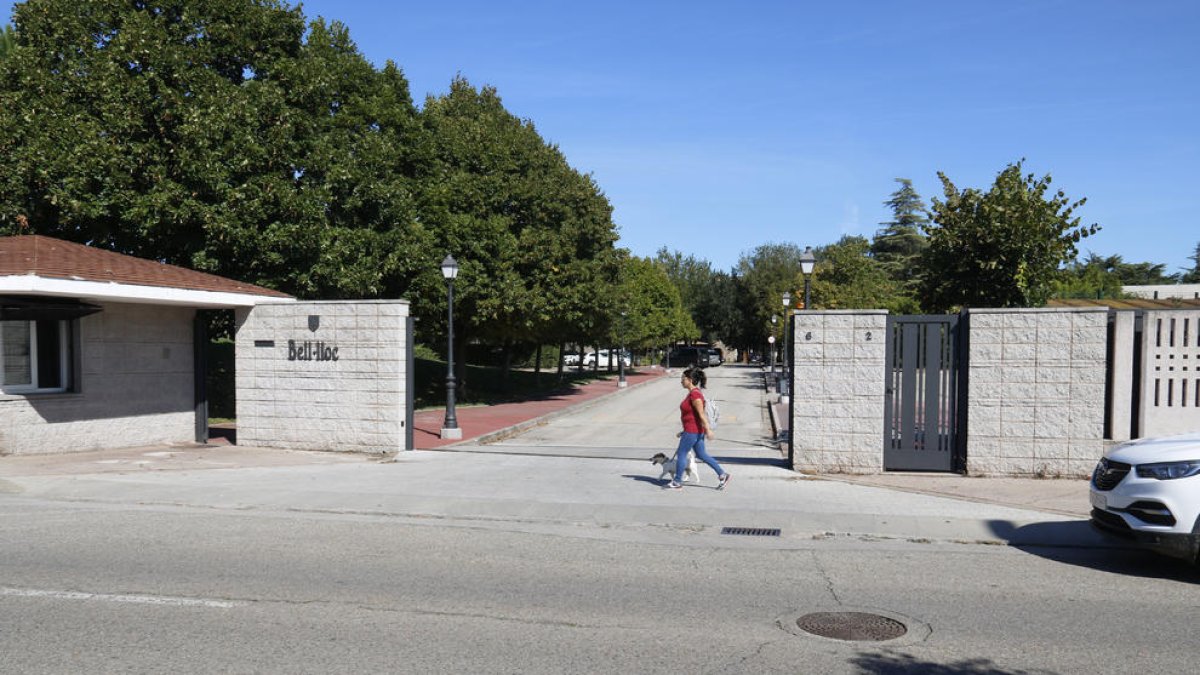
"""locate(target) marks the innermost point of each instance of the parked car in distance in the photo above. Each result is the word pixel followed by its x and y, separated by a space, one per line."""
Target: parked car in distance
pixel 685 357
pixel 1148 491
pixel 570 359
pixel 590 359
pixel 715 356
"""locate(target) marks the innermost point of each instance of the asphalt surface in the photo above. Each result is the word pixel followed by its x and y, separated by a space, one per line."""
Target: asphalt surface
pixel 557 551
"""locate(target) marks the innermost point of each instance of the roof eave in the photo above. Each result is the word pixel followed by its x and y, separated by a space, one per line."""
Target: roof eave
pixel 103 291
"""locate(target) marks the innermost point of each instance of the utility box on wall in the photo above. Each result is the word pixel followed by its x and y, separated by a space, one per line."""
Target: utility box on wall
pixel 328 376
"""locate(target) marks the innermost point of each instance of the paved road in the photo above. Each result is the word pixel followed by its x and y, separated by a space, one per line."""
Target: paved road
pixel 89 587
pixel 644 420
pixel 525 557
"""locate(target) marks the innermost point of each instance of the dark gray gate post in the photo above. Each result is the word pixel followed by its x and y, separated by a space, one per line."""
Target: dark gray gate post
pixel 409 386
pixel 199 374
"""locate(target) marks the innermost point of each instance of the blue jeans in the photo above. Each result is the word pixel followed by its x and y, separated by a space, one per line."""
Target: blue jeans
pixel 689 442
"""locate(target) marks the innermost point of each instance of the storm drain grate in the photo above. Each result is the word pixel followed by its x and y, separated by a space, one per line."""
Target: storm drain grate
pixel 858 626
pixel 752 531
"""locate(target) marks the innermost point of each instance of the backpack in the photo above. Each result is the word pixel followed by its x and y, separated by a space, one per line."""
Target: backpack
pixel 713 412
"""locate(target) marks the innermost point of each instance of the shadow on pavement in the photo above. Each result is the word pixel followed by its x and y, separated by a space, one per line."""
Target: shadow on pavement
pixel 891 662
pixel 653 480
pixel 751 461
pixel 1076 542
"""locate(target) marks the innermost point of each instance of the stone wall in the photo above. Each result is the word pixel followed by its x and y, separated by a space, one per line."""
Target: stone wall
pixel 135 387
pixel 323 376
pixel 1035 401
pixel 838 400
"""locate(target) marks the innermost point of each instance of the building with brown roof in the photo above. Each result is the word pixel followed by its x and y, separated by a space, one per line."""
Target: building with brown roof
pixel 100 349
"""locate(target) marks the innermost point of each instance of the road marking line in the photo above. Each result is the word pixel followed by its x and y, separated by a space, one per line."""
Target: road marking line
pixel 138 599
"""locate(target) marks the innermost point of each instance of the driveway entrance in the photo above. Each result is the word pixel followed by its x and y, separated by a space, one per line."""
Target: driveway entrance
pixel 644 420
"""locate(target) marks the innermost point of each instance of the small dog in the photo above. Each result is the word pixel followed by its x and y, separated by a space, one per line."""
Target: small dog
pixel 668 467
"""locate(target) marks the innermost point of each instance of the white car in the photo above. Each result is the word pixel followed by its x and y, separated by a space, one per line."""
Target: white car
pixel 1148 490
pixel 590 359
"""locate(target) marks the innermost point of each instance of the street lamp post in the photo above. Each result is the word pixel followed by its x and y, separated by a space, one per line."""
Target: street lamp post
pixel 771 345
pixel 784 385
pixel 450 425
pixel 808 261
pixel 621 383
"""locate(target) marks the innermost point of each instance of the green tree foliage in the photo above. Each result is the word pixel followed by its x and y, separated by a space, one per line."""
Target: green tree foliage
pixel 690 275
pixel 899 244
pixel 208 134
pixel 1192 276
pixel 653 311
pixel 847 277
pixel 534 238
pixel 767 272
pixel 1000 248
pixel 709 296
pixel 1102 277
pixel 718 310
pixel 1092 278
pixel 8 40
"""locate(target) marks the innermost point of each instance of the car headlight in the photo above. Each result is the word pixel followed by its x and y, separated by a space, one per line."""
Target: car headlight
pixel 1169 470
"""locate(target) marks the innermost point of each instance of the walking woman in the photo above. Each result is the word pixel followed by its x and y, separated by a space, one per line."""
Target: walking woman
pixel 695 430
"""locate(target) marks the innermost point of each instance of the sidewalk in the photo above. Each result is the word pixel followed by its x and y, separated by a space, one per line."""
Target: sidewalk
pixel 620 495
pixel 1067 496
pixel 478 423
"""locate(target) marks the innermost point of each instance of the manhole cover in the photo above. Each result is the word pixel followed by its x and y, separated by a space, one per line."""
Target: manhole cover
pixel 858 626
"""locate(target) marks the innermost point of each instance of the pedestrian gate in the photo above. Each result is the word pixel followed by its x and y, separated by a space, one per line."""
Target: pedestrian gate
pixel 922 395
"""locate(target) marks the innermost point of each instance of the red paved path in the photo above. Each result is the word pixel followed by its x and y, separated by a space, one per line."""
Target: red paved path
pixel 475 421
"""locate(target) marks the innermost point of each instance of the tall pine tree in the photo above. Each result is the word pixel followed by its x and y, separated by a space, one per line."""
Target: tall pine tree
pixel 898 245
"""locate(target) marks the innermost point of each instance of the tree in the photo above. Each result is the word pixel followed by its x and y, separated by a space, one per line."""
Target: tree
pixel 653 310
pixel 209 134
pixel 767 272
pixel 898 246
pixel 8 40
pixel 1192 276
pixel 708 296
pixel 846 277
pixel 1093 278
pixel 717 311
pixel 1000 248
pixel 534 238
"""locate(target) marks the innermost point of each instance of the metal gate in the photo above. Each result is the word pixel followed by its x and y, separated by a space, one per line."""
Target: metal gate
pixel 922 399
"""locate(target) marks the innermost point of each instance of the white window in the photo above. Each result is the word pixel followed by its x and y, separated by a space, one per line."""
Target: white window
pixel 34 356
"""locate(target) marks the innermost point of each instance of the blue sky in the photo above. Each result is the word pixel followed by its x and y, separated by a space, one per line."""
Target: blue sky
pixel 714 127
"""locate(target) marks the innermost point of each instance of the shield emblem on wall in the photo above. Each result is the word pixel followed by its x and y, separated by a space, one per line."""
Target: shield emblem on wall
pixel 314 322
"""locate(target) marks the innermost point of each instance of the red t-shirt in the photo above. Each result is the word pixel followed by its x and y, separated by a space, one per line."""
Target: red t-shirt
pixel 687 412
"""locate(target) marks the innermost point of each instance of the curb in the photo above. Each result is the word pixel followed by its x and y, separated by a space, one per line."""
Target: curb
pixel 519 427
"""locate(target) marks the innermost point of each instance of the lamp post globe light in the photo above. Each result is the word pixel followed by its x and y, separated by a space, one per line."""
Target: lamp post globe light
pixel 807 262
pixel 450 428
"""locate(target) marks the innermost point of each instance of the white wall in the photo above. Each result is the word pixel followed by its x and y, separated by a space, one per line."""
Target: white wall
pixel 135 387
pixel 838 400
pixel 1164 291
pixel 1035 395
pixel 292 397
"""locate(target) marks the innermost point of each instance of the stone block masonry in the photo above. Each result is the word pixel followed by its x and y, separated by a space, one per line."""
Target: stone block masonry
pixel 134 387
pixel 327 376
pixel 838 399
pixel 1036 391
